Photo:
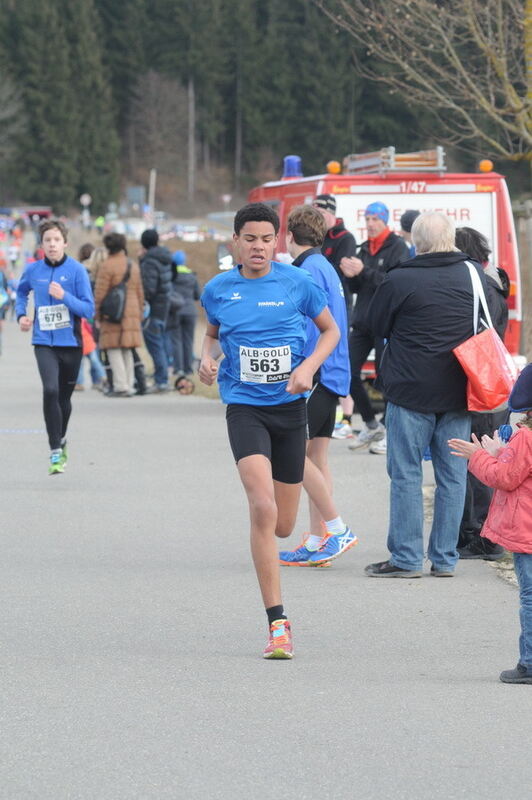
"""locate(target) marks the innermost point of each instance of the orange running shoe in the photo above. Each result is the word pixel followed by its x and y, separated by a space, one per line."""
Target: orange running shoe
pixel 280 640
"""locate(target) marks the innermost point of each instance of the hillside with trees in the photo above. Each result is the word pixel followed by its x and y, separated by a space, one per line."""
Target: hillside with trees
pixel 213 93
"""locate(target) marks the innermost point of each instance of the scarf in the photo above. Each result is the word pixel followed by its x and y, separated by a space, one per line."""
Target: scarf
pixel 376 242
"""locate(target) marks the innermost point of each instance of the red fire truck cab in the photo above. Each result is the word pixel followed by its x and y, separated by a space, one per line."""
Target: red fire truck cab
pixel 409 181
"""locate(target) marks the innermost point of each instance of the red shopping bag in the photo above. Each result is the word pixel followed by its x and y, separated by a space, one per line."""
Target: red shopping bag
pixel 490 369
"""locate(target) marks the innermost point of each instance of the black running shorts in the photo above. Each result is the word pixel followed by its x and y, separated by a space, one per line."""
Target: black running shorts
pixel 277 432
pixel 321 412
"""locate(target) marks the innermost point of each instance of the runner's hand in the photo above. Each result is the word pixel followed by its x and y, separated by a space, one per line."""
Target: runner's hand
pixel 300 380
pixel 25 324
pixel 208 371
pixel 56 290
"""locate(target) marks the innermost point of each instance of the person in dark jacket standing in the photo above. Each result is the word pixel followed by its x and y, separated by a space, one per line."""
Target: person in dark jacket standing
pixel 182 320
pixel 156 271
pixel 478 496
pixel 338 243
pixel 382 250
pixel 424 308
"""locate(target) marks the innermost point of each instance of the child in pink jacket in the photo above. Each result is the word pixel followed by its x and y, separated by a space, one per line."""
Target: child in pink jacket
pixel 508 469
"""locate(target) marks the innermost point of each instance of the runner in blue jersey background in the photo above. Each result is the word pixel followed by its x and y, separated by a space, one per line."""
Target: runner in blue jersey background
pixel 257 316
pixel 329 536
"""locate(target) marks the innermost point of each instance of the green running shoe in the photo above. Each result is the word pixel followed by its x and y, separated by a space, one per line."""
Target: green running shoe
pixel 56 465
pixel 64 456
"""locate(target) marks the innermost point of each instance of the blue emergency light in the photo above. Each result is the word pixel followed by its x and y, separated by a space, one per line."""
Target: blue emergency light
pixel 292 167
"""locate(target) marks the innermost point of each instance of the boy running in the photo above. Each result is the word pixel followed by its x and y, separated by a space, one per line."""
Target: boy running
pixel 62 297
pixel 257 315
pixel 329 536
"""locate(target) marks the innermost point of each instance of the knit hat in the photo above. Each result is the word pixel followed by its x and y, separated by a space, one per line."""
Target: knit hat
pixel 179 258
pixel 149 238
pixel 325 201
pixel 521 396
pixel 378 210
pixel 407 219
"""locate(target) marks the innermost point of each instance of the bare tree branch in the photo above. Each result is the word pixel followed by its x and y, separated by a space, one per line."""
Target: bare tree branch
pixel 464 60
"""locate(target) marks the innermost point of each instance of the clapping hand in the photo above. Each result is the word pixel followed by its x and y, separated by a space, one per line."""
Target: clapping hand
pixel 492 445
pixel 459 447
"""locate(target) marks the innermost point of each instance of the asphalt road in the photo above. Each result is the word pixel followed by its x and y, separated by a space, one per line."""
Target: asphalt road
pixel 132 629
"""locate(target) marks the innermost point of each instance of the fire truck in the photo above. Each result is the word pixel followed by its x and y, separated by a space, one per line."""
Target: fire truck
pixel 409 181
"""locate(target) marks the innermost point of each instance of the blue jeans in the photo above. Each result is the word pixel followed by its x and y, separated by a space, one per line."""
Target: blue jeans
pixel 409 433
pixel 97 369
pixel 523 570
pixel 154 338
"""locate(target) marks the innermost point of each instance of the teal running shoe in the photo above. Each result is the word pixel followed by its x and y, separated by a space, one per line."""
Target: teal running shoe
pixel 64 455
pixel 56 465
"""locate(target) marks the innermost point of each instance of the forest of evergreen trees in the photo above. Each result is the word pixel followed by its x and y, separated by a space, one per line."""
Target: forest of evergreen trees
pixel 212 93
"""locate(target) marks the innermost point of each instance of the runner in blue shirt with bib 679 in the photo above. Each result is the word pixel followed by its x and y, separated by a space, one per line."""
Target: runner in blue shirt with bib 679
pixel 62 296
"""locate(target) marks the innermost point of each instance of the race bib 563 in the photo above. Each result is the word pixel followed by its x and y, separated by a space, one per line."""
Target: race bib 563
pixel 265 364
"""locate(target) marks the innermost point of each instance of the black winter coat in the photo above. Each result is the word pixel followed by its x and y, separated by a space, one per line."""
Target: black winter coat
pixel 156 270
pixel 424 307
pixel 393 251
pixel 496 297
pixel 340 242
pixel 186 283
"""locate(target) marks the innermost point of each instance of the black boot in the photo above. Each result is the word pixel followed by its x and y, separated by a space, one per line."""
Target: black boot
pixel 480 547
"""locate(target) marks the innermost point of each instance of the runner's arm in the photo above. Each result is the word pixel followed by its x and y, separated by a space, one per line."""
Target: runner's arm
pixel 301 378
pixel 210 353
pixel 23 290
pixel 82 302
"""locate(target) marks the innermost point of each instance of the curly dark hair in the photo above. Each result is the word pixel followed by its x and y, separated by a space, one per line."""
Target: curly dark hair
pixel 85 251
pixel 114 243
pixel 473 243
pixel 256 212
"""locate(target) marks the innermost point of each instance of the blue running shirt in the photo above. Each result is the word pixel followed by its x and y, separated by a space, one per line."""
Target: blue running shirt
pixel 335 372
pixel 262 330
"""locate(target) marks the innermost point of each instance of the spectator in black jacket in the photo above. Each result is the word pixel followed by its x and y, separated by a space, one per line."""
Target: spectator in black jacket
pixel 156 269
pixel 338 243
pixel 478 496
pixel 424 308
pixel 382 250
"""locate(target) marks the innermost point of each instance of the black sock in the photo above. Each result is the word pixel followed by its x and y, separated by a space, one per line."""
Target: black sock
pixel 275 612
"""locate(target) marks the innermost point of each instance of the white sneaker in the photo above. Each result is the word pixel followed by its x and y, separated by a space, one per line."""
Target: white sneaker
pixel 366 436
pixel 378 448
pixel 343 431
